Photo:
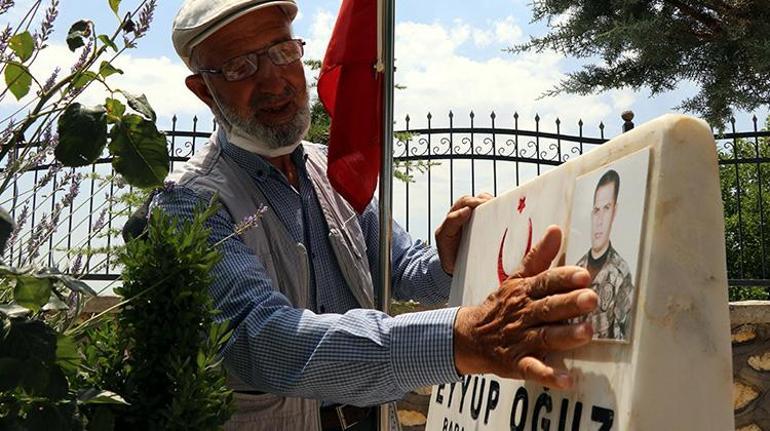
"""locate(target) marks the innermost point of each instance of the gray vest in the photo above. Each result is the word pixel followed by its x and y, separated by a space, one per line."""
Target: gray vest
pixel 286 261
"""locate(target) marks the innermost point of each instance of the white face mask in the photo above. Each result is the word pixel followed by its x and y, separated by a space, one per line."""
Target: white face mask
pixel 242 140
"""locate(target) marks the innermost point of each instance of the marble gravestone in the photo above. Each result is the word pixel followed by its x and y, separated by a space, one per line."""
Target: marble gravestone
pixel 646 209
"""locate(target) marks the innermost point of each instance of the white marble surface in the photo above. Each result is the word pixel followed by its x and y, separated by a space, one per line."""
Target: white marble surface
pixel 675 373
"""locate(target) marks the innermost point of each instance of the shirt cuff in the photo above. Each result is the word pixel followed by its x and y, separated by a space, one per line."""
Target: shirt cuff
pixel 437 273
pixel 422 348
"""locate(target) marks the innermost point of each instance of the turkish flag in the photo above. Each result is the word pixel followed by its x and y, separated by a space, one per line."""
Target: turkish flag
pixel 351 91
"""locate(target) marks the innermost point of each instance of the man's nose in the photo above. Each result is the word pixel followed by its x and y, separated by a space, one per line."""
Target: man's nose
pixel 269 77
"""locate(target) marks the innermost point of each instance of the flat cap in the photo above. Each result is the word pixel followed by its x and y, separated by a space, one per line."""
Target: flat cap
pixel 199 19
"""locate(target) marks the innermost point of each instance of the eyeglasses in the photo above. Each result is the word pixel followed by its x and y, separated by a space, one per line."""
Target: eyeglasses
pixel 244 66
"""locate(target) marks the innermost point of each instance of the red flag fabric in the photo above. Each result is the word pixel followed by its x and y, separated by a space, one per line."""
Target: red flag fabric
pixel 351 92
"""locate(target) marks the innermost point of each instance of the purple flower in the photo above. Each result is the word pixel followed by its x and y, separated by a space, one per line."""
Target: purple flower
pixel 86 51
pixel 73 191
pixel 99 223
pixel 5 5
pixel 52 170
pixel 51 80
pixel 77 265
pixel 250 221
pixel 46 27
pixel 5 36
pixel 21 220
pixel 145 18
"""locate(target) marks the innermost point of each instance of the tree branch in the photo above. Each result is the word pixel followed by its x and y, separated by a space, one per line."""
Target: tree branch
pixel 709 21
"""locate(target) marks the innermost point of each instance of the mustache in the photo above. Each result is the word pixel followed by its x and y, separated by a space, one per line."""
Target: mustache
pixel 262 100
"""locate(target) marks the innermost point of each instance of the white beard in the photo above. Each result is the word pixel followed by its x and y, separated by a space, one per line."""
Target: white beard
pixel 257 138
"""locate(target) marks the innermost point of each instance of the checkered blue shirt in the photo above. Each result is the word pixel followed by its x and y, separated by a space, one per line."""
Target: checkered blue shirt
pixel 335 351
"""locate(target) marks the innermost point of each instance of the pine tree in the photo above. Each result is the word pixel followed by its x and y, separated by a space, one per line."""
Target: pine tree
pixel 723 46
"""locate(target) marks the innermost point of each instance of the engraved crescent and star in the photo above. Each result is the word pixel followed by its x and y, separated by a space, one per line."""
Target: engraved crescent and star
pixel 501 275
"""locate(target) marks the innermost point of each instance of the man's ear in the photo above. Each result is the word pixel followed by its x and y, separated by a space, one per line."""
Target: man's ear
pixel 197 85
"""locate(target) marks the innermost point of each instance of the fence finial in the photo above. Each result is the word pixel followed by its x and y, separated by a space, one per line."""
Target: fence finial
pixel 628 123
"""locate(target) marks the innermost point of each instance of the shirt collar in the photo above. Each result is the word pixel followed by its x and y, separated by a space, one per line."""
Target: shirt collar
pixel 257 166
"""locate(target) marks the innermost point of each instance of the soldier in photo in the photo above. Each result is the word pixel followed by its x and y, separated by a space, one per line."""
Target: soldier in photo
pixel 610 274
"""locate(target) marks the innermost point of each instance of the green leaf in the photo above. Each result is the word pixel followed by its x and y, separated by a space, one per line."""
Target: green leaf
pixel 9 373
pixel 13 310
pixel 67 356
pixel 114 4
pixel 98 396
pixel 18 79
pixel 106 69
pixel 76 285
pixel 140 105
pixel 77 32
pixel 107 41
pixel 82 135
pixel 22 45
pixel 102 420
pixel 12 271
pixel 83 78
pixel 139 151
pixel 32 292
pixel 6 228
pixel 115 110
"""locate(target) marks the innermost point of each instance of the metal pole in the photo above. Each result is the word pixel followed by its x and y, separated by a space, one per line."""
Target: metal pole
pixel 387 27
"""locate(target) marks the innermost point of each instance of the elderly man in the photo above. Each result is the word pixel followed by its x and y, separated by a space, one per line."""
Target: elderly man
pixel 298 288
pixel 610 274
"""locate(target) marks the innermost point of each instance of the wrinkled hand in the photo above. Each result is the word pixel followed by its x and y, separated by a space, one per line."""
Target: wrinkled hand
pixel 449 234
pixel 512 331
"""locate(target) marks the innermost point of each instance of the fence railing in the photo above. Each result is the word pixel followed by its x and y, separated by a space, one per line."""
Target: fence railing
pixel 70 218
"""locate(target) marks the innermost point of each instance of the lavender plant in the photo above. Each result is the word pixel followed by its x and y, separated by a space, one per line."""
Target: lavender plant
pixel 41 369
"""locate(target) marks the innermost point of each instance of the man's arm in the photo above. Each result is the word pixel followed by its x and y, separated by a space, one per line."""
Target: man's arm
pixel 416 268
pixel 362 357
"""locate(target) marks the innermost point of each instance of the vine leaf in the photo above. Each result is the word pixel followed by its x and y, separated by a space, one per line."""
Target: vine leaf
pixel 140 104
pixel 9 373
pixel 106 69
pixel 77 32
pixel 97 396
pixel 22 45
pixel 139 151
pixel 32 292
pixel 18 79
pixel 83 78
pixel 82 135
pixel 67 356
pixel 115 110
pixel 114 4
pixel 107 41
pixel 13 310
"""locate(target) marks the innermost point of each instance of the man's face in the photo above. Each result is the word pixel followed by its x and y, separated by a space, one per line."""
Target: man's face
pixel 602 216
pixel 271 105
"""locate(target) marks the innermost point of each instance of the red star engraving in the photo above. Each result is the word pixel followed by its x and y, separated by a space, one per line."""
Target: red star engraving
pixel 522 204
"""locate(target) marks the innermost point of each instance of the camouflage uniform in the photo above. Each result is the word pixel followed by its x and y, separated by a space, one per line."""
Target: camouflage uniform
pixel 613 284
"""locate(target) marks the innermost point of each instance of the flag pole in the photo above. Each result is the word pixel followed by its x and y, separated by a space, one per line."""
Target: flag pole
pixel 385 66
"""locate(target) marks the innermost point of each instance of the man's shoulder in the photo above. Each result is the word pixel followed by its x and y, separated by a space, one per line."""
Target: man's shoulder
pixel 618 262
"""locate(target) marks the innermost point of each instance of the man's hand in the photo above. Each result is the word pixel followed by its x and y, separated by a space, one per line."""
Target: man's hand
pixel 450 232
pixel 512 331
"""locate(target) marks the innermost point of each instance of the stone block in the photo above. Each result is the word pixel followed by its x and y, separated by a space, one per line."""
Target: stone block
pixel 668 365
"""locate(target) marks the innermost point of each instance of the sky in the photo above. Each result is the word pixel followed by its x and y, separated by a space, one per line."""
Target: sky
pixel 448 56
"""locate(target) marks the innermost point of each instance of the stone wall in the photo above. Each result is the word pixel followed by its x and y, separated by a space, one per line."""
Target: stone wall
pixel 751 364
pixel 751 367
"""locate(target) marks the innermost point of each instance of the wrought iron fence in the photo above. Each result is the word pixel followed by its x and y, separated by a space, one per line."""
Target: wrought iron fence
pixel 443 158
